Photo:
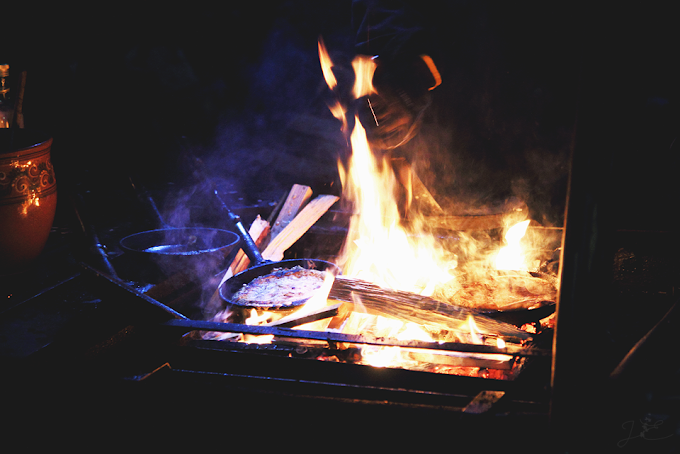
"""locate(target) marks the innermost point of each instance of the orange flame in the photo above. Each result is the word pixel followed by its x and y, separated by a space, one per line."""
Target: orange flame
pixel 364 68
pixel 258 319
pixel 511 257
pixel 377 248
pixel 327 66
pixel 475 334
pixel 317 301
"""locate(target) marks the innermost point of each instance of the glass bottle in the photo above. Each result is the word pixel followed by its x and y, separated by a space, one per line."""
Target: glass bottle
pixel 6 104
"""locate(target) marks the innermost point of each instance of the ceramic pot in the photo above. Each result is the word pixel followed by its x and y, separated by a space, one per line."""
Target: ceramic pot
pixel 28 197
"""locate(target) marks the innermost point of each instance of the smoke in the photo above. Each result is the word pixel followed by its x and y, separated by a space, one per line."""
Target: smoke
pixel 499 128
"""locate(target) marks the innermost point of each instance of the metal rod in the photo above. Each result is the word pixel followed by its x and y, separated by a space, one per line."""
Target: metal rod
pixel 251 249
pixel 642 345
pixel 122 285
pixel 191 325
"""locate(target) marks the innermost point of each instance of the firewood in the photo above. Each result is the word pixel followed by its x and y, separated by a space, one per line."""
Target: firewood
pixel 297 198
pixel 343 314
pixel 407 306
pixel 300 318
pixel 298 226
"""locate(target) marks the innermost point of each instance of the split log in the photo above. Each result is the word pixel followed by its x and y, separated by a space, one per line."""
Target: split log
pixel 297 198
pixel 300 318
pixel 407 306
pixel 298 226
pixel 343 314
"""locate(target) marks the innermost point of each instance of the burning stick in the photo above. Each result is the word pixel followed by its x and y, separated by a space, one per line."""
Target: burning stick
pixel 306 317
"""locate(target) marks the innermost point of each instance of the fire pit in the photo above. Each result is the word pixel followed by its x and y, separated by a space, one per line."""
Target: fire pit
pixel 399 337
pixel 401 300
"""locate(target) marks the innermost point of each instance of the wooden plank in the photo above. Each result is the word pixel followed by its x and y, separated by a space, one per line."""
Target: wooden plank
pixel 300 318
pixel 297 198
pixel 298 226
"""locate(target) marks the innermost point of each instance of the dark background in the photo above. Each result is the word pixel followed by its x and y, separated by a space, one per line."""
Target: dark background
pixel 124 90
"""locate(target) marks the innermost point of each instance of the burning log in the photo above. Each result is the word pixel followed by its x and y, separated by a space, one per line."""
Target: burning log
pixel 407 306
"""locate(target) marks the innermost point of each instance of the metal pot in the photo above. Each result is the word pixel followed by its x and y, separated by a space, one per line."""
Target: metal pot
pixel 182 248
pixel 28 197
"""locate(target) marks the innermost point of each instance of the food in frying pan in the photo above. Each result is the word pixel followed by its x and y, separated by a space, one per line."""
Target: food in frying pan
pixel 282 287
pixel 498 292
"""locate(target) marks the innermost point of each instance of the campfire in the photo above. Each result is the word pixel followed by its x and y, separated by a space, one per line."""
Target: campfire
pixel 402 299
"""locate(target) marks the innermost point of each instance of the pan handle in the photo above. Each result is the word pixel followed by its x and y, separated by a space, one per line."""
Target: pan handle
pixel 249 246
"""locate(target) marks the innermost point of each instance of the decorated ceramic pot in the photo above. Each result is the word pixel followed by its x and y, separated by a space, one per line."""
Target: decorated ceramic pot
pixel 28 197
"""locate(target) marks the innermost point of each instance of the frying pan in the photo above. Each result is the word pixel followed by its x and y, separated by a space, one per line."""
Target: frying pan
pixel 521 316
pixel 262 267
pixel 181 244
pixel 178 248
